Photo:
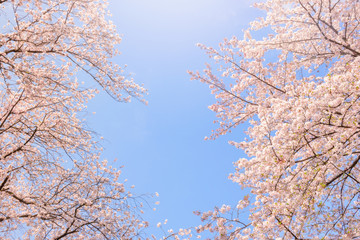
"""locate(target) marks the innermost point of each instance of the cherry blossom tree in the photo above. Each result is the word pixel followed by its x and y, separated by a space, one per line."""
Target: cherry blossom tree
pixel 298 92
pixel 53 184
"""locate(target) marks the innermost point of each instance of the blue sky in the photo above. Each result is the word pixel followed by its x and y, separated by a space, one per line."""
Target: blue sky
pixel 162 144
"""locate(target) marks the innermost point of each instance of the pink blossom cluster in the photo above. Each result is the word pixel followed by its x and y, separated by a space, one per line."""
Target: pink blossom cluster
pixel 53 184
pixel 298 90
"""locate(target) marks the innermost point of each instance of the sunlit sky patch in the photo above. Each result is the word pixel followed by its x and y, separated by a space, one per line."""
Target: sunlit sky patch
pixel 161 145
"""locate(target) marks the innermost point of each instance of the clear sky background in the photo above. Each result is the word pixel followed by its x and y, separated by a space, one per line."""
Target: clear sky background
pixel 162 144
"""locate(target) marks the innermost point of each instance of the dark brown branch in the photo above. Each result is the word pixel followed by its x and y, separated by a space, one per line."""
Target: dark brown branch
pixel 287 229
pixel 254 75
pixel 11 110
pixel 19 148
pixel 18 198
pixel 344 171
pixel 4 182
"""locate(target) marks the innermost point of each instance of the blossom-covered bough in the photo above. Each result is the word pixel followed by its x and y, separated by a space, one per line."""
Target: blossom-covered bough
pixel 299 90
pixel 53 184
